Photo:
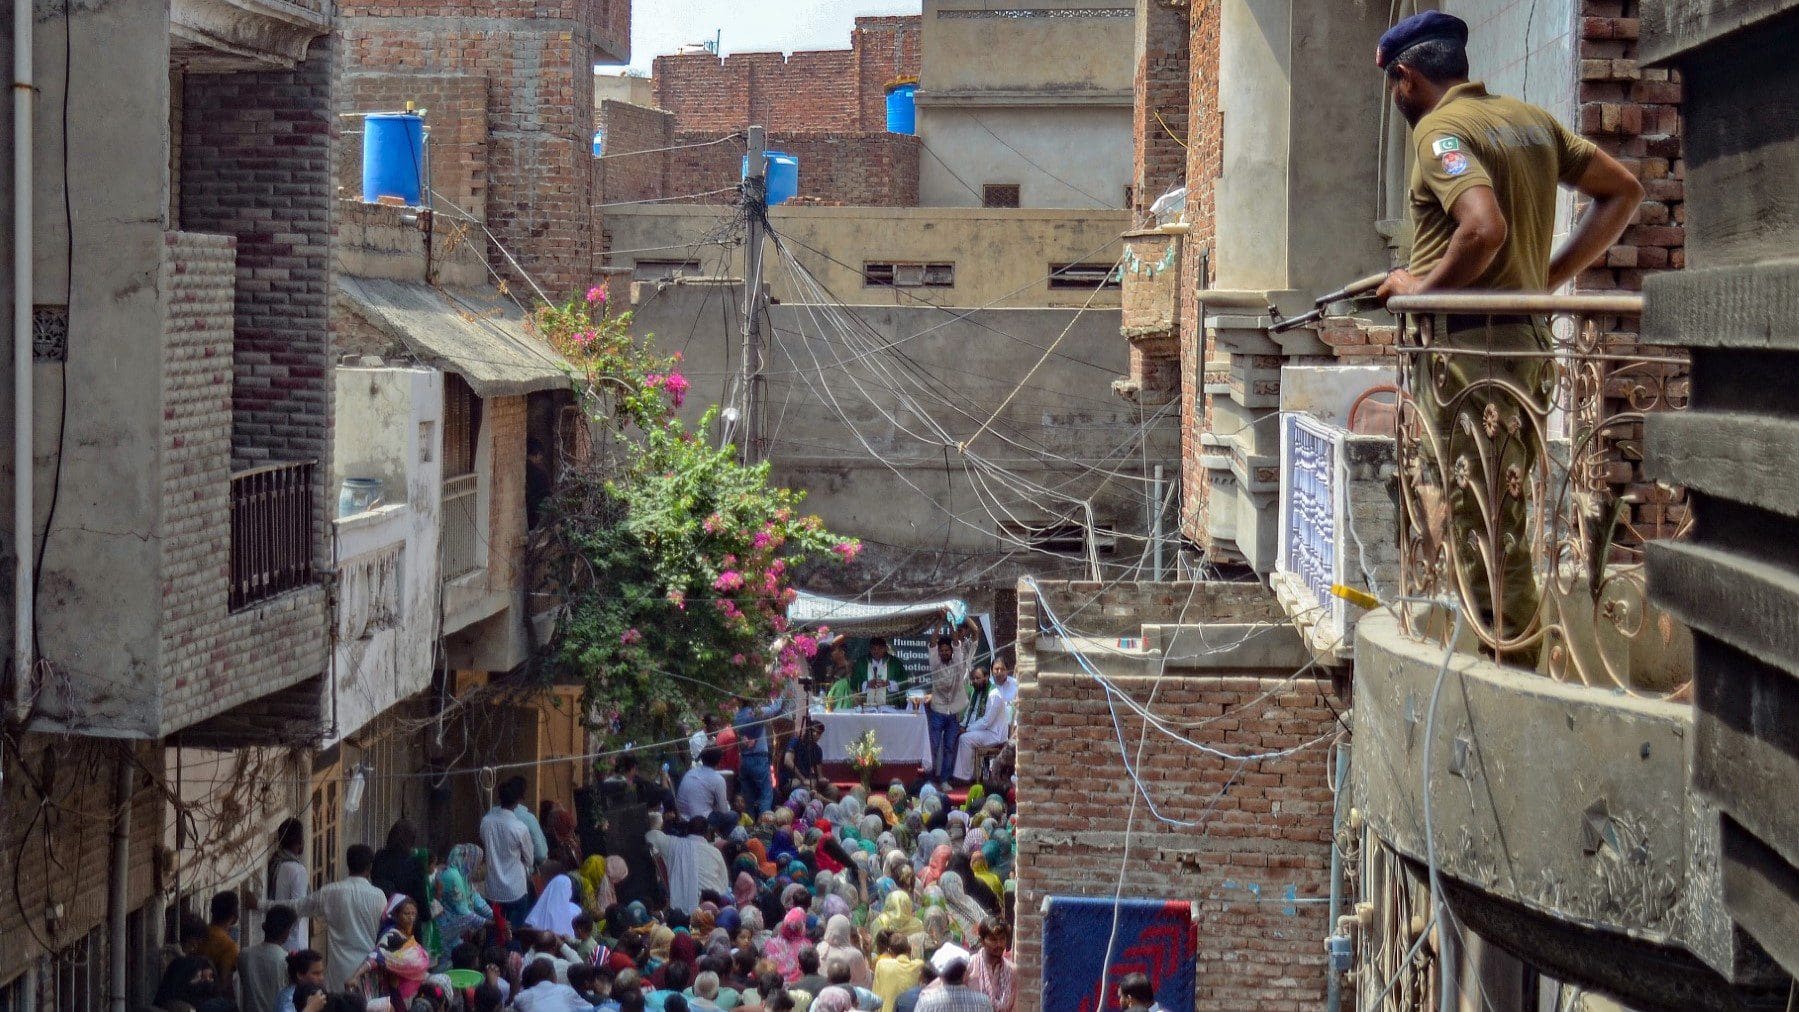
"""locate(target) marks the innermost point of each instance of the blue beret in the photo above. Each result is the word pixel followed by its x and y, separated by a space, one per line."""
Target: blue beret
pixel 1426 27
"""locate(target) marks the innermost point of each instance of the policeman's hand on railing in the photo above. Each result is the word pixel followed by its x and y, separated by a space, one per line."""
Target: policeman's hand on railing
pixel 1399 282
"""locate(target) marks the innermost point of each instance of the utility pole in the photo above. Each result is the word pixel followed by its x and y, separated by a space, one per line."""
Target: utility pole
pixel 755 206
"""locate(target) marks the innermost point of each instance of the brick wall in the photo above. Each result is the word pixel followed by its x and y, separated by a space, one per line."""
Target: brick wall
pixel 54 843
pixel 1257 866
pixel 1159 119
pixel 1205 162
pixel 875 169
pixel 1634 113
pixel 214 659
pixel 456 112
pixel 810 91
pixel 636 128
pixel 536 67
pixel 504 419
pixel 256 164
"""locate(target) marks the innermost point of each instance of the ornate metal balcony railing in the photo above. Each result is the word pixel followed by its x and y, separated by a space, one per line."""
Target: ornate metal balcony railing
pixel 1520 496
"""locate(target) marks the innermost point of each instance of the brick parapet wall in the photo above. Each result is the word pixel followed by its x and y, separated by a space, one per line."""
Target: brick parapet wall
pixel 213 659
pixel 856 168
pixel 1257 864
pixel 818 91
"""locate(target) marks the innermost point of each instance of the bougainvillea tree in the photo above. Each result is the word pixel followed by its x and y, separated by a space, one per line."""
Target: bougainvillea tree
pixel 673 557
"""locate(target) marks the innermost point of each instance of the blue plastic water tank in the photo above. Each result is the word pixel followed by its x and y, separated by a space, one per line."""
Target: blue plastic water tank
pixel 783 176
pixel 902 109
pixel 393 156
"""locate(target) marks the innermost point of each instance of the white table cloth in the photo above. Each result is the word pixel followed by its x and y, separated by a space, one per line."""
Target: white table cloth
pixel 904 737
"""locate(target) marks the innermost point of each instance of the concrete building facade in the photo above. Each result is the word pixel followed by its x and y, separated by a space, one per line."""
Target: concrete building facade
pixel 1029 105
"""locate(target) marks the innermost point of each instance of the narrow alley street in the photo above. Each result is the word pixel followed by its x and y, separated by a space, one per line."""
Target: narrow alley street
pixel 901 506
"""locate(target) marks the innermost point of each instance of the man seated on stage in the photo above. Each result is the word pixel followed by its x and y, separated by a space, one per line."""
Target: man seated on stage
pixel 986 724
pixel 802 761
pixel 878 673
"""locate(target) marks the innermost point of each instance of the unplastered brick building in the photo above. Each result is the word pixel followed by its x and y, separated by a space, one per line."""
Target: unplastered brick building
pixel 514 87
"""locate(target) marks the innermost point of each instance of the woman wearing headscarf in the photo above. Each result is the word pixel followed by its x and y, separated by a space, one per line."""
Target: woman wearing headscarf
pixel 938 930
pixel 896 971
pixel 662 941
pixel 560 834
pixel 840 944
pixel 784 948
pixel 986 877
pixel 396 869
pixel 755 924
pixel 998 852
pixel 701 922
pixel 463 909
pixel 985 898
pixel 743 890
pixel 400 958
pixel 190 980
pixel 555 909
pixel 835 998
pixel 897 915
pixel 965 914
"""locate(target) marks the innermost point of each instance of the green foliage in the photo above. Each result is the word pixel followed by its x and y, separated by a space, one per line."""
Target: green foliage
pixel 673 557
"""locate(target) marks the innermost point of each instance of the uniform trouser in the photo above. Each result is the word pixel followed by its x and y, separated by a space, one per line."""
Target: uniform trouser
pixel 1487 412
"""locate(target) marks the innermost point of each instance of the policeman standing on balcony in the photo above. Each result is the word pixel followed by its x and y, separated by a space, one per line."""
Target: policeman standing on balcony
pixel 1483 192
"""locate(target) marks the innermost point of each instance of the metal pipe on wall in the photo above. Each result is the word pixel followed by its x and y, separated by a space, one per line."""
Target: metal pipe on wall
pixel 117 895
pixel 24 511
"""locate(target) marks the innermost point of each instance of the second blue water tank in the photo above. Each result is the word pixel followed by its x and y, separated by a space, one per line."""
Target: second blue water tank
pixel 393 156
pixel 902 109
pixel 783 176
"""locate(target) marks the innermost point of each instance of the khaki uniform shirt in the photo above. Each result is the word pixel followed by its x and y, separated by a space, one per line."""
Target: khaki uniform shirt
pixel 1475 139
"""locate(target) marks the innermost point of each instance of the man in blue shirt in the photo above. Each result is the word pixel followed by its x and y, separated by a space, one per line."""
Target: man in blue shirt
pixel 752 744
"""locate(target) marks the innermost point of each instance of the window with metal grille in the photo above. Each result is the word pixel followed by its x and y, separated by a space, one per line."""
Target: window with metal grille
pixel 664 270
pixel 892 275
pixel 462 424
pixel 1084 277
pixel 999 195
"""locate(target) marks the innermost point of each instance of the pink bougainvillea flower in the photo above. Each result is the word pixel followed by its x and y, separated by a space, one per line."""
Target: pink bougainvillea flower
pixel 596 294
pixel 847 550
pixel 713 524
pixel 677 385
pixel 730 579
pixel 737 659
pixel 806 645
pixel 654 381
pixel 761 539
pixel 630 636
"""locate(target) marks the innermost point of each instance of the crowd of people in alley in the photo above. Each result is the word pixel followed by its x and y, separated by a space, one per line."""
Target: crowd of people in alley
pixel 740 875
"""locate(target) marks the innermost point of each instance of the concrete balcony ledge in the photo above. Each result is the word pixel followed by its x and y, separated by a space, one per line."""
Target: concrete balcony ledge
pixel 1560 810
pixel 371 530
